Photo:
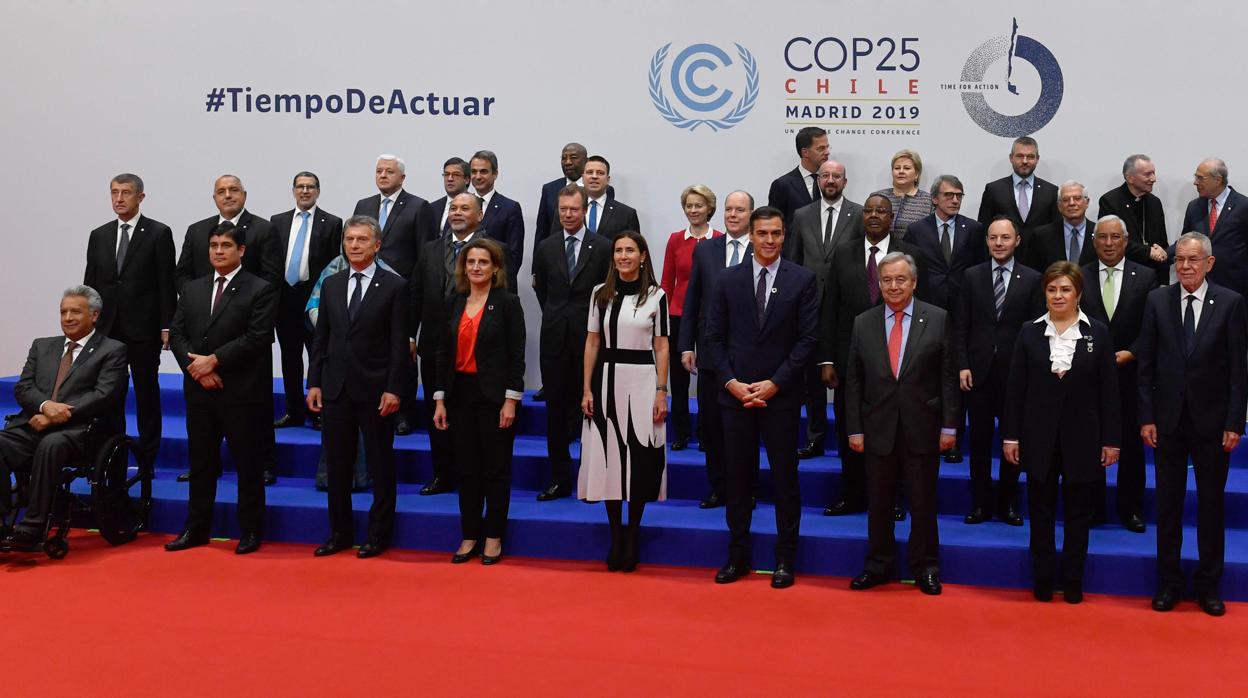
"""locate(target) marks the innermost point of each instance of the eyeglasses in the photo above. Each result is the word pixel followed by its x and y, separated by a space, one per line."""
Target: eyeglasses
pixel 306 187
pixel 1189 261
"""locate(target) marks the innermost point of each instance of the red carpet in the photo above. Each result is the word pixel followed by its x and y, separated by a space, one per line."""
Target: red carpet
pixel 136 620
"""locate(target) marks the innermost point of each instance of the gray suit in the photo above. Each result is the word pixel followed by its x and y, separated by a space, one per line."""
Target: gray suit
pixel 95 387
pixel 808 247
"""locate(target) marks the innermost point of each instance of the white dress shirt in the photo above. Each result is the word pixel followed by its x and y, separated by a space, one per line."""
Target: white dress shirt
pixel 771 277
pixel 1062 344
pixel 229 279
pixel 233 221
pixel 830 209
pixel 365 282
pixel 133 223
pixel 742 242
pixel 882 246
pixel 77 352
pixel 1200 294
pixel 1118 268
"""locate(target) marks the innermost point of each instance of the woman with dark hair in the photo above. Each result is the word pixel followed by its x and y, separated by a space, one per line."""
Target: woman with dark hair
pixel 1061 422
pixel 480 373
pixel 623 442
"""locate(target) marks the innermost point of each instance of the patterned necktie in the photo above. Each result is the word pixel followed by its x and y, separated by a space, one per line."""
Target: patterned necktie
pixel 760 296
pixel 295 265
pixel 998 291
pixel 894 342
pixel 946 244
pixel 593 217
pixel 873 277
pixel 1024 205
pixel 216 297
pixel 385 213
pixel 1189 325
pixel 736 253
pixel 570 251
pixel 67 361
pixel 1107 292
pixel 123 245
pixel 357 294
pixel 1213 214
pixel 1072 254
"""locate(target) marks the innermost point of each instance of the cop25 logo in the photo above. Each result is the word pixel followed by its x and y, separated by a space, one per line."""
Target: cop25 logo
pixel 1013 47
pixel 693 85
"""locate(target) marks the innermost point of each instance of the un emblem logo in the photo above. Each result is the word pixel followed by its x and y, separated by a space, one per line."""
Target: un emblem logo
pixel 692 81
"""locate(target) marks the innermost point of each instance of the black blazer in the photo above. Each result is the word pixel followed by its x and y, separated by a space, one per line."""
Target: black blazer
pixel 432 287
pixel 982 338
pixel 1230 239
pixel 616 217
pixel 95 385
pixel 1078 413
pixel 438 207
pixel 263 257
pixel 1145 219
pixel 409 222
pixel 803 239
pixel 324 242
pixel 1048 245
pixel 1134 285
pixel 780 348
pixel 504 221
pixel 999 200
pixel 924 395
pixel 709 259
pixel 1210 379
pixel 945 278
pixel 139 301
pixel 846 295
pixel 499 347
pixel 564 301
pixel 239 332
pixel 360 360
pixel 548 210
pixel 789 192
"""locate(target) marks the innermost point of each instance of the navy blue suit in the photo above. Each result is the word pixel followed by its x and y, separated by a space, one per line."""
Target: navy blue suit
pixel 777 349
pixel 789 192
pixel 1230 239
pixel 944 279
pixel 503 221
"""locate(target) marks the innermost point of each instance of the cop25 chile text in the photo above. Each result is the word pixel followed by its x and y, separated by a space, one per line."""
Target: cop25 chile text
pixel 831 54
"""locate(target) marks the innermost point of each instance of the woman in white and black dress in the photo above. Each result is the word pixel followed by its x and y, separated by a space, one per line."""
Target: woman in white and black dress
pixel 623 442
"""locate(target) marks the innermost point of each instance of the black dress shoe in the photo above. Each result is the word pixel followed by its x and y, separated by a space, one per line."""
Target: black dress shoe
pixel 975 516
pixel 731 572
pixel 336 543
pixel 185 541
pixel 554 491
pixel 401 425
pixel 371 548
pixel 680 444
pixel 782 578
pixel 1134 523
pixel 491 559
pixel 184 477
pixel 461 558
pixel 1011 517
pixel 1073 594
pixel 632 552
pixel 322 486
pixel 1042 593
pixel 866 580
pixel 269 478
pixel 287 420
pixel 249 543
pixel 812 449
pixel 899 512
pixel 928 583
pixel 316 422
pixel 712 501
pixel 435 486
pixel 540 395
pixel 844 508
pixel 1211 604
pixel 22 541
pixel 1165 599
pixel 615 553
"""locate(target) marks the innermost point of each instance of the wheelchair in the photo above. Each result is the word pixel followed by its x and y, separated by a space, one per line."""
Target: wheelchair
pixel 119 490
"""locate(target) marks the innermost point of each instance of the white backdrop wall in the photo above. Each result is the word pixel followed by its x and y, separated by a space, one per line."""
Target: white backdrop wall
pixel 97 88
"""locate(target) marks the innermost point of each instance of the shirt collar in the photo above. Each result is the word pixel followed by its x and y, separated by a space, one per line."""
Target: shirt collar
pixel 466 240
pixel 908 311
pixel 1066 226
pixel 579 235
pixel 806 174
pixel 368 271
pixel 771 268
pixel 1221 198
pixel 393 197
pixel 1199 292
pixel 133 223
pixel 602 201
pixel 883 244
pixel 840 201
pixel 311 212
pixel 1009 265
pixel 486 198
pixel 1031 180
pixel 233 221
pixel 1050 330
pixel 228 277
pixel 81 342
pixel 1120 266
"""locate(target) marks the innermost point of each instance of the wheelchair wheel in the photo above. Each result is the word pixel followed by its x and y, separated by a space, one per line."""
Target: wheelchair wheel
pixel 56 547
pixel 121 491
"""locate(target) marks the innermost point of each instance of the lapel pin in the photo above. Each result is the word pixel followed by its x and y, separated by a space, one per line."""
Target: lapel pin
pixel 774 289
pixel 920 319
pixel 489 307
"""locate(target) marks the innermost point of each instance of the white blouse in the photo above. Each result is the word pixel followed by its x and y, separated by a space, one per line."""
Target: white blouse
pixel 1062 345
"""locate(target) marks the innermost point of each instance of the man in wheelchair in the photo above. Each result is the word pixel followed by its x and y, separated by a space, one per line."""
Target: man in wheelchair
pixel 67 382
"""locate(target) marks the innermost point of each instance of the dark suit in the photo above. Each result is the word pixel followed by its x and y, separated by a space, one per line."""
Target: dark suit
pixel 409 222
pixel 439 208
pixel 1134 284
pixel 1000 198
pixel 985 345
pixel 844 299
pixel 1146 226
pixel 548 210
pixel 709 260
pixel 138 303
pixel 944 278
pixel 353 362
pixel 482 450
pixel 263 257
pixel 565 315
pixel 777 348
pixel 615 217
pixel 791 191
pixel 239 331
pixel 1061 424
pixel 1230 239
pixel 923 397
pixel 1192 394
pixel 504 221
pixel 1048 245
pixel 95 387
pixel 324 242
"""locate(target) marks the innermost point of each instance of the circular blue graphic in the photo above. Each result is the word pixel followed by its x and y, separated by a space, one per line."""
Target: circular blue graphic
pixel 1052 87
pixel 684 77
pixel 689 66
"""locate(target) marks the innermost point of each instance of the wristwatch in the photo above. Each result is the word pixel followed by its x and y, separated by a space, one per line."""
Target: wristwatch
pixel 661 387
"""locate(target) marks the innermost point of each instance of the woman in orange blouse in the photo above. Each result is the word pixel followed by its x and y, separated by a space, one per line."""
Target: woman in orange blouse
pixel 698 202
pixel 478 386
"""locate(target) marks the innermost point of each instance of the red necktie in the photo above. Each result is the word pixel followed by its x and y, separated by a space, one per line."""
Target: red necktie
pixel 1213 214
pixel 894 342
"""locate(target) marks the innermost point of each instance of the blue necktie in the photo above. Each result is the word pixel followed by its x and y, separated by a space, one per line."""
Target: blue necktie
pixel 296 254
pixel 385 213
pixel 571 252
pixel 593 216
pixel 736 253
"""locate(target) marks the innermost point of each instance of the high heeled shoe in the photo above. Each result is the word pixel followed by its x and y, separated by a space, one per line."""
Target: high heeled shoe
pixel 460 558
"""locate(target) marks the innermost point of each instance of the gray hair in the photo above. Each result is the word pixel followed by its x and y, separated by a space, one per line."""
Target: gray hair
pixel 1206 245
pixel 1111 218
pixel 1132 162
pixel 946 179
pixel 131 179
pixel 94 302
pixel 893 257
pixel 395 159
pixel 476 200
pixel 1073 183
pixel 1218 167
pixel 364 221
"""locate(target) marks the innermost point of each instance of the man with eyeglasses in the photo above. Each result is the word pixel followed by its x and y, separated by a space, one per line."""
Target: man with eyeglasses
pixel 455 177
pixel 1022 197
pixel 1221 213
pixel 1067 239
